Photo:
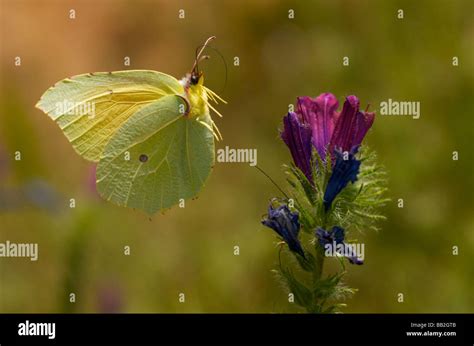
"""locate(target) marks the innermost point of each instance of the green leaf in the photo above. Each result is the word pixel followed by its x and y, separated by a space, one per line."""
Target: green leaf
pixel 307 263
pixel 324 288
pixel 302 294
pixel 358 206
pixel 305 184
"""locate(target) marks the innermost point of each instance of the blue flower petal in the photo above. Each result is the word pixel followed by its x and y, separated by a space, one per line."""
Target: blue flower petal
pixel 336 236
pixel 344 171
pixel 286 224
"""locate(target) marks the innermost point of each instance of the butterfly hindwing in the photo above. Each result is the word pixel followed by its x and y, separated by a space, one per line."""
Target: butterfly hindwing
pixel 89 108
pixel 158 157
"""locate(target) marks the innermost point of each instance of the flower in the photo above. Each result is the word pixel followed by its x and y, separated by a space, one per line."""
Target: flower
pixel 334 241
pixel 297 136
pixel 286 224
pixel 320 115
pixel 316 123
pixel 351 126
pixel 344 171
pixel 327 128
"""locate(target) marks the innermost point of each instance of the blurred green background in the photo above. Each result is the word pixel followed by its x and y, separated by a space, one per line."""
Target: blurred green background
pixel 191 250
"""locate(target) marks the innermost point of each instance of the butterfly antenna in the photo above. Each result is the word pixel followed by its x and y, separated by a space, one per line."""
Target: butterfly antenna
pixel 198 54
pixel 225 66
pixel 199 58
pixel 273 181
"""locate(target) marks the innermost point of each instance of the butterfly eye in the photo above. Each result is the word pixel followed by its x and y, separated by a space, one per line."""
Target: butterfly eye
pixel 194 79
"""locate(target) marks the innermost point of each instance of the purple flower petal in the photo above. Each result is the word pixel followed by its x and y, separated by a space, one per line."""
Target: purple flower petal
pixel 297 136
pixel 351 125
pixel 320 114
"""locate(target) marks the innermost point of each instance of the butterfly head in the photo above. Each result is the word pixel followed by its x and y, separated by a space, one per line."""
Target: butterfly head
pixel 198 96
pixel 193 84
pixel 196 78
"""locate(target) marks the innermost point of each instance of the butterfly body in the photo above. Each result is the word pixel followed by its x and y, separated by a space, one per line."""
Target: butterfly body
pixel 196 95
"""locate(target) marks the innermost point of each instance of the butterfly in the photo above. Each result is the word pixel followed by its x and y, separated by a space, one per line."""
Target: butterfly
pixel 151 134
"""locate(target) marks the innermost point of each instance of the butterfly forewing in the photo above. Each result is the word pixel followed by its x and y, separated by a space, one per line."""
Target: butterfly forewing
pixel 90 108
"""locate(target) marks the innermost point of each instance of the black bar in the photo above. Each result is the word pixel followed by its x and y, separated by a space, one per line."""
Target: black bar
pixel 219 329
